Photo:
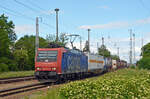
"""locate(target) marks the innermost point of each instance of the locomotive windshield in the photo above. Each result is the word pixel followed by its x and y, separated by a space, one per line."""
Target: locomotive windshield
pixel 47 56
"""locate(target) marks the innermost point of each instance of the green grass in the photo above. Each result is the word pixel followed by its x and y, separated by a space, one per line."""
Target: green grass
pixel 52 93
pixel 16 74
pixel 121 84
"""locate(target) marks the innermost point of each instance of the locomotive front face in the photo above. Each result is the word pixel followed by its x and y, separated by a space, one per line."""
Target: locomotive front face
pixel 48 62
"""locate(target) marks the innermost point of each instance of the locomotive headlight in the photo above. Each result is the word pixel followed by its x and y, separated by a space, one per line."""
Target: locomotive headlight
pixel 38 68
pixel 54 68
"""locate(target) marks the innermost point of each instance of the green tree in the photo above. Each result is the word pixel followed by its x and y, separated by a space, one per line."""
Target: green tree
pixel 4 67
pixel 62 40
pixel 7 38
pixel 146 50
pixel 144 62
pixel 11 63
pixel 21 56
pixel 28 43
pixel 104 51
pixel 115 57
pixel 8 26
pixel 50 38
pixel 7 35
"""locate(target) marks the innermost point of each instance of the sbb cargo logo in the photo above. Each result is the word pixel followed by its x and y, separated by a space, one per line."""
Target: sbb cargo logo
pixel 73 62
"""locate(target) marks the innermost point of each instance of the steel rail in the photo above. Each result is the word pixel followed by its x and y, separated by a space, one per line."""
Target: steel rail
pixel 17 79
pixel 11 91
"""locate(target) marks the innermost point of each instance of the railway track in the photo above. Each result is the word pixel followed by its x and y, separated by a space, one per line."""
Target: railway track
pixel 11 91
pixel 16 79
pixel 20 89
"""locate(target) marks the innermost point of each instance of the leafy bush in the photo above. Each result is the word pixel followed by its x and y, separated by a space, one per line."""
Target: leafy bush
pixel 12 65
pixel 3 67
pixel 132 66
pixel 144 63
pixel 123 84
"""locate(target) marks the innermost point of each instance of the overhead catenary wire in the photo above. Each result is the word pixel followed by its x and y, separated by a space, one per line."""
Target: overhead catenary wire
pixel 35 10
pixel 142 3
pixel 9 13
pixel 24 16
pixel 26 6
pixel 18 13
pixel 35 5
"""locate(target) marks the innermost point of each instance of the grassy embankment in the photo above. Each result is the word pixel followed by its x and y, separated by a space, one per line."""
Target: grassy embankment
pixel 121 84
pixel 16 74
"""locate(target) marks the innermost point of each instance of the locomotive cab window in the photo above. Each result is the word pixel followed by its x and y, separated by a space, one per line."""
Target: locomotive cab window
pixel 47 56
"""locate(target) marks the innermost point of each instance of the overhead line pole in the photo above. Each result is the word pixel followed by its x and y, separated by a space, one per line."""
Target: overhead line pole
pixel 80 43
pixel 130 46
pixel 103 45
pixel 118 51
pixel 134 47
pixel 89 39
pixel 37 35
pixel 56 24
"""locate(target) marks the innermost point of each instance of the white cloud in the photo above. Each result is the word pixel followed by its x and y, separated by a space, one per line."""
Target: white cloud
pixel 143 21
pixel 24 29
pixel 104 7
pixel 110 25
pixel 117 24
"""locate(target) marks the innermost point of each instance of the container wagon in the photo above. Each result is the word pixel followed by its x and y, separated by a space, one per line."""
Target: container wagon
pixel 95 63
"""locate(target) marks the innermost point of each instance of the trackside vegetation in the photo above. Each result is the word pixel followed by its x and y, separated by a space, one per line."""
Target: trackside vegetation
pixel 121 84
pixel 16 74
pixel 144 62
pixel 18 54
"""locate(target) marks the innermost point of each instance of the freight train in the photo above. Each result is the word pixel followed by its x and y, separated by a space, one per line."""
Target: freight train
pixel 54 64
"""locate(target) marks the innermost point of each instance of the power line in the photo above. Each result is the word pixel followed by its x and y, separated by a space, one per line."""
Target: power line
pixel 24 16
pixel 35 5
pixel 31 8
pixel 141 2
pixel 26 6
pixel 9 13
pixel 34 11
pixel 20 14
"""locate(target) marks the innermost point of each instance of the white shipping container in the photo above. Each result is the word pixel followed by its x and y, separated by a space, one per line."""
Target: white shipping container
pixel 95 62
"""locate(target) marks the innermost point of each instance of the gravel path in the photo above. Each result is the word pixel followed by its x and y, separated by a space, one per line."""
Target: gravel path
pixel 16 84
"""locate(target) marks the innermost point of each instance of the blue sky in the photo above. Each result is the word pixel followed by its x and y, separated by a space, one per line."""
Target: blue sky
pixel 109 18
